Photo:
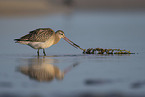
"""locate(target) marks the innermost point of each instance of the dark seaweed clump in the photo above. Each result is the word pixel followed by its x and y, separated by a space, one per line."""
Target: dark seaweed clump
pixel 105 51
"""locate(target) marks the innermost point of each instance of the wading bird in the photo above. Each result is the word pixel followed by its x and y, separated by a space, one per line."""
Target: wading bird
pixel 43 38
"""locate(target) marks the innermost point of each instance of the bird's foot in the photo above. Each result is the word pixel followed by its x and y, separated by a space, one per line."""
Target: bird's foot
pixel 44 52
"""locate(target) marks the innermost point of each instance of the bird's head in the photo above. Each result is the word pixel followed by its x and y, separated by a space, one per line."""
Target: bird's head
pixel 60 34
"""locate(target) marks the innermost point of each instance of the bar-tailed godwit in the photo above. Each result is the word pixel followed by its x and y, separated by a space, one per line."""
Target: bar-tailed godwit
pixel 43 38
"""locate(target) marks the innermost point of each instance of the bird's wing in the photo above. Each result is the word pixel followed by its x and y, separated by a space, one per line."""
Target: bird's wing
pixel 38 35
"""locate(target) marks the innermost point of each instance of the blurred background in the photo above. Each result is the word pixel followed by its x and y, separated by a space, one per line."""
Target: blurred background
pixel 47 7
pixel 88 23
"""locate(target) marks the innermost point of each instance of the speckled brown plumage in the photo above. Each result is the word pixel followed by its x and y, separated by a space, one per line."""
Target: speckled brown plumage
pixel 38 35
pixel 43 38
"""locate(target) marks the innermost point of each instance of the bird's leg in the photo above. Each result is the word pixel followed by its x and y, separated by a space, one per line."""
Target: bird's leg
pixel 44 52
pixel 38 52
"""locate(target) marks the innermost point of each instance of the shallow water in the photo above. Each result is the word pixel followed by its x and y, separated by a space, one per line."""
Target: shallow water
pixel 95 75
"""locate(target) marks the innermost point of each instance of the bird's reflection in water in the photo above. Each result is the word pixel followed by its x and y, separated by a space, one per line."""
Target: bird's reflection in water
pixel 41 70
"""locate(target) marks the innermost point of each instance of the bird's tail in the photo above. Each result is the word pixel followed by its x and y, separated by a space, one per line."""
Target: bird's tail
pixel 21 41
pixel 17 40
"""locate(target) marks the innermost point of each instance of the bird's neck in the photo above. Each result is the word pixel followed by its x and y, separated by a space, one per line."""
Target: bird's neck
pixel 57 39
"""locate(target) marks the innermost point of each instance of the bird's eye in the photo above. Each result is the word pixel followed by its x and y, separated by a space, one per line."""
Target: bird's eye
pixel 61 33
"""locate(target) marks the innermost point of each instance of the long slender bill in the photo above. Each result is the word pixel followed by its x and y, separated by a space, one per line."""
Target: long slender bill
pixel 70 42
